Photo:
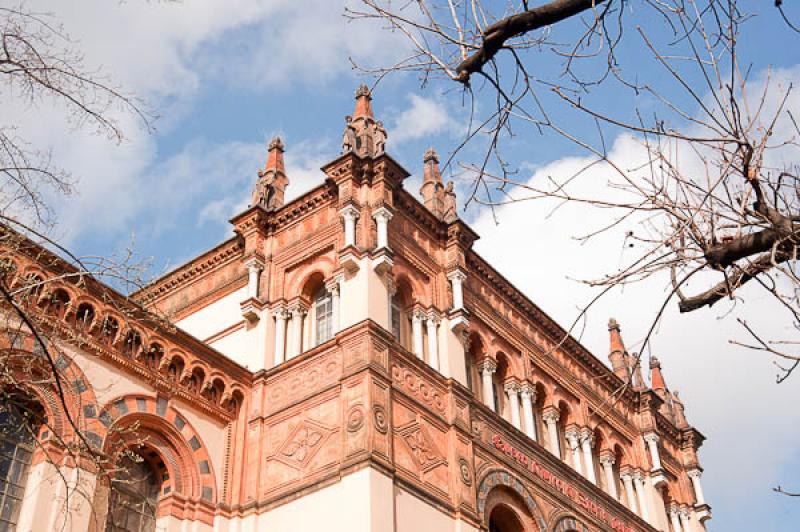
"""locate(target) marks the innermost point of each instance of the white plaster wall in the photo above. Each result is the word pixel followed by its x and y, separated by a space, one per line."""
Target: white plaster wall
pixel 106 380
pixel 364 501
pixel 57 500
pixel 364 295
pixel 360 502
pixel 172 524
pixel 215 317
pixel 415 515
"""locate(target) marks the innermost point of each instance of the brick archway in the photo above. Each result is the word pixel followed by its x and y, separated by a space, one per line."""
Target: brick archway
pixel 499 486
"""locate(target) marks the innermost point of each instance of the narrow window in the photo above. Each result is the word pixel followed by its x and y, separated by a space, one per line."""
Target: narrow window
pixel 323 310
pixel 395 317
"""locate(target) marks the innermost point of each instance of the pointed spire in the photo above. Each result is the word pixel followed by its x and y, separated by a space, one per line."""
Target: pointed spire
pixel 634 363
pixel 275 155
pixel 617 353
pixel 363 102
pixel 432 190
pixel 678 409
pixel 363 135
pixel 656 378
pixel 272 181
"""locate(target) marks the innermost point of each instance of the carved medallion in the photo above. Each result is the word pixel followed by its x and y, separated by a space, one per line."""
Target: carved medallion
pixel 466 474
pixel 355 418
pixel 381 421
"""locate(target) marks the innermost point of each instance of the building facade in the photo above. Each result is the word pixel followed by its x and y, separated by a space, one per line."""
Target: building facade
pixel 345 361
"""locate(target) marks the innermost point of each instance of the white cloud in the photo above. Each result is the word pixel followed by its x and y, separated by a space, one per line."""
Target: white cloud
pixel 162 51
pixel 751 423
pixel 423 118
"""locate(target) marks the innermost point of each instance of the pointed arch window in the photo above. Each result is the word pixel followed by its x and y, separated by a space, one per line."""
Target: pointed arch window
pixel 323 311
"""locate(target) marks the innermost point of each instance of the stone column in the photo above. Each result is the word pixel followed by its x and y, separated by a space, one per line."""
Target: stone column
pixel 607 463
pixel 512 392
pixel 551 420
pixel 638 480
pixel 296 341
pixel 254 268
pixel 587 442
pixel 683 514
pixel 695 475
pixel 528 393
pixel 457 279
pixel 674 519
pixel 572 435
pixel 652 445
pixel 281 315
pixel 349 214
pixel 487 368
pixel 627 482
pixel 382 217
pixel 417 315
pixel 433 340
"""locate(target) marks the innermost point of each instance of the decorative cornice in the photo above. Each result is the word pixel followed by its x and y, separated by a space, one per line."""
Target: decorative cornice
pixel 206 263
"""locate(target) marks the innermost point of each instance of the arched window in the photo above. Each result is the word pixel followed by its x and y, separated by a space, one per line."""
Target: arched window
pixel 109 330
pixel 16 447
pixel 134 497
pixel 323 312
pixel 504 519
pixel 85 316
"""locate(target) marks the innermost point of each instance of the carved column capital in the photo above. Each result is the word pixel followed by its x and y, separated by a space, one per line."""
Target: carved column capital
pixel 551 414
pixel 529 389
pixel 607 458
pixel 487 365
pixel 280 312
pixel 349 212
pixel 433 318
pixel 587 435
pixel 382 213
pixel 694 473
pixel 651 438
pixel 511 386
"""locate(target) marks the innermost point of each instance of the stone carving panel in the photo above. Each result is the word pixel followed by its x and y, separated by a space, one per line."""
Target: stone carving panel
pixel 302 382
pixel 414 385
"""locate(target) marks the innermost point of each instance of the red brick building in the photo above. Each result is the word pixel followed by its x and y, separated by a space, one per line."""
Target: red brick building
pixel 346 361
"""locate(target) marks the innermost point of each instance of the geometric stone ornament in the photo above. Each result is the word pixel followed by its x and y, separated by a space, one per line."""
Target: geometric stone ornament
pixel 303 443
pixel 423 450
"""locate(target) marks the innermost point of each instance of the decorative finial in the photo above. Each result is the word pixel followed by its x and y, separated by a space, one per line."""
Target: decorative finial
pixel 613 325
pixel 363 90
pixel 654 363
pixel 430 155
pixel 276 144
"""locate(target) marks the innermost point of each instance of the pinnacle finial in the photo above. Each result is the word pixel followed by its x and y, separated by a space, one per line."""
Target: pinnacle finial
pixel 276 144
pixel 363 90
pixel 430 155
pixel 613 325
pixel 654 363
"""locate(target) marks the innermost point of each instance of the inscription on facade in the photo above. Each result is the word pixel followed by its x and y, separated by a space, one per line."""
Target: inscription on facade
pixel 561 485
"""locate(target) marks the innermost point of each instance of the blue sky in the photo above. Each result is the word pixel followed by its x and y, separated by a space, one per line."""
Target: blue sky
pixel 226 77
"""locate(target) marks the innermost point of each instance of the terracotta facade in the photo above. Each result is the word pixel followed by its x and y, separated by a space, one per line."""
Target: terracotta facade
pixel 347 361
